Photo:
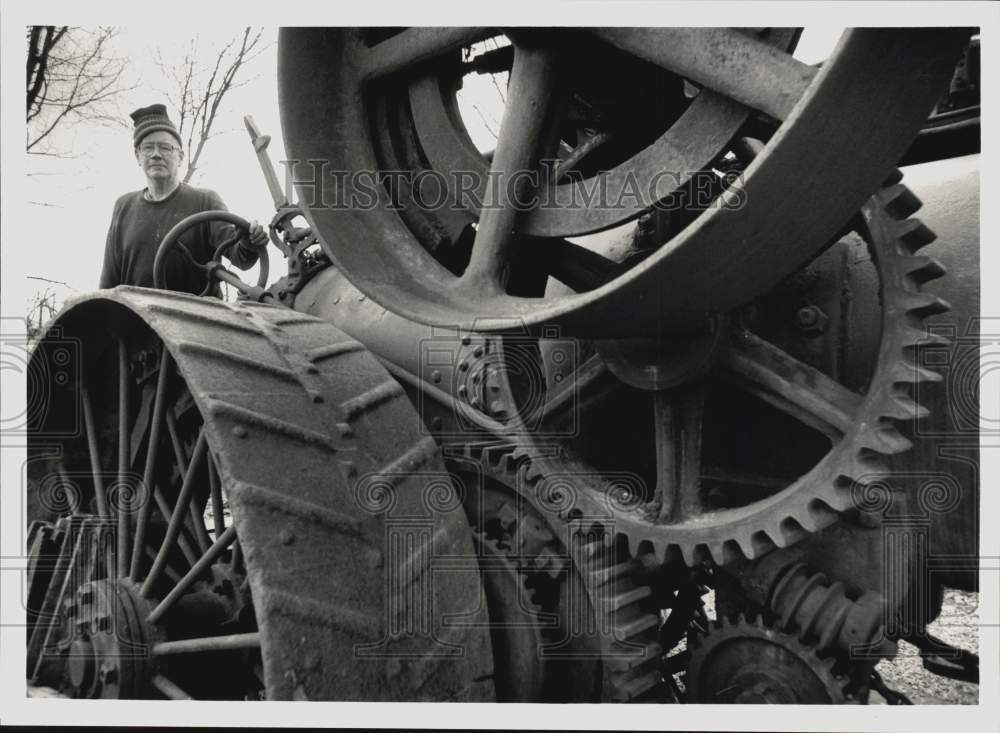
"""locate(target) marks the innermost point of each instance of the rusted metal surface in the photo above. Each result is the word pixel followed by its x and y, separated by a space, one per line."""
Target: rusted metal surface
pixel 778 228
pixel 665 513
pixel 268 383
pixel 747 662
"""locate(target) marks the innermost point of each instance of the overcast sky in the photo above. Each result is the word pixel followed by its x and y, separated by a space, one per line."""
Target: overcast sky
pixel 74 198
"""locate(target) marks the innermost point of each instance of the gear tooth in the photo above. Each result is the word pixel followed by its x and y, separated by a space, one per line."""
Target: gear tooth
pixel 662 551
pixel 923 304
pixel 688 553
pixel 907 371
pixel 731 551
pixel 716 551
pixel 899 201
pixel 906 408
pixel 760 545
pixel 895 177
pixel 885 440
pixel 819 515
pixel 923 269
pixel 913 234
pixel 912 337
pixel 790 532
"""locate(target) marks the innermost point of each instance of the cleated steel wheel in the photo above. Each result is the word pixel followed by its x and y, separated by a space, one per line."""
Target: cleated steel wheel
pixel 319 584
pixel 436 230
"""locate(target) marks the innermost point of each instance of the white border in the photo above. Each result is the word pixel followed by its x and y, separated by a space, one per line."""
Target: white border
pixel 17 223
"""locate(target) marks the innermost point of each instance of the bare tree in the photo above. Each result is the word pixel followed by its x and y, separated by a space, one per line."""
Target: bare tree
pixel 199 88
pixel 72 75
pixel 41 308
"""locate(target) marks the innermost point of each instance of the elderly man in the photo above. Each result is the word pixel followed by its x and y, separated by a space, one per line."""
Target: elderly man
pixel 142 218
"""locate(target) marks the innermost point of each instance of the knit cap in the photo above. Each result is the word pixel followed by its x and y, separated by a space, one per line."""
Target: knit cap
pixel 152 119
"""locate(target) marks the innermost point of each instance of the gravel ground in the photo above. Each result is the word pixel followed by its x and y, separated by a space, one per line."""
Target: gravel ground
pixel 957 625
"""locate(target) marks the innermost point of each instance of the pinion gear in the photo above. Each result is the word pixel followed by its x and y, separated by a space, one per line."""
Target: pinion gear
pixel 749 662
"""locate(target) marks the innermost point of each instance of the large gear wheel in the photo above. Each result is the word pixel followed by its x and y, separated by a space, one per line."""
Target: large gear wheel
pixel 601 640
pixel 678 505
pixel 747 662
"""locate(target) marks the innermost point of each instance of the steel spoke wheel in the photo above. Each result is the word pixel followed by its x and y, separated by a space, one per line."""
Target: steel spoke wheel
pixel 223 523
pixel 376 104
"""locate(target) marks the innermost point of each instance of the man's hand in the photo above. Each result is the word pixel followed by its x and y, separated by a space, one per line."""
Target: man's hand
pixel 258 237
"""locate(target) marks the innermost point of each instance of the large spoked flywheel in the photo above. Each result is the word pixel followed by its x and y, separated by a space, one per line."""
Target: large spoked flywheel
pixel 235 501
pixel 598 127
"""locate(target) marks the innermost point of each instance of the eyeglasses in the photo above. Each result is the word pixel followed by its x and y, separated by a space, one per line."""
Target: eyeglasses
pixel 151 148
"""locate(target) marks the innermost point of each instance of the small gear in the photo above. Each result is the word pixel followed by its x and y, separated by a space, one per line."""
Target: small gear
pixel 579 578
pixel 750 662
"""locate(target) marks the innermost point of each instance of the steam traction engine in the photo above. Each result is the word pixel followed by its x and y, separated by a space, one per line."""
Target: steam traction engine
pixel 483 449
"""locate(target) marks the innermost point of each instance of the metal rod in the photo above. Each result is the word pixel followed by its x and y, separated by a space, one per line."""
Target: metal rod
pixel 215 487
pixel 526 117
pixel 95 456
pixel 169 689
pixel 182 462
pixel 124 502
pixel 193 574
pixel 168 569
pixel 237 560
pixel 175 441
pixel 208 644
pixel 177 517
pixel 166 511
pixel 665 430
pixel 152 448
pixel 72 500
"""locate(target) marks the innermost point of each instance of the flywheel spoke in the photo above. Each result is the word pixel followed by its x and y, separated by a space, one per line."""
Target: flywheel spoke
pixel 208 644
pixel 199 568
pixel 170 689
pixel 156 423
pixel 95 456
pixel 414 46
pixel 796 388
pixel 525 122
pixel 727 61
pixel 678 425
pixel 124 504
pixel 178 515
pixel 197 520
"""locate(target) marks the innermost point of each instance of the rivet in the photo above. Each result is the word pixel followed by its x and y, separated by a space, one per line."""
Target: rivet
pixel 478 352
pixel 317 398
pixel 286 537
pixel 436 376
pixel 311 369
pixel 239 431
pixel 435 423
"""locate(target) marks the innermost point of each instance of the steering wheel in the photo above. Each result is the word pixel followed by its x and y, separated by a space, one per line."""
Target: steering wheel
pixel 213 268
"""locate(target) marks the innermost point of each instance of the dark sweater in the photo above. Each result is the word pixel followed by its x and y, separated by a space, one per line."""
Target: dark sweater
pixel 138 226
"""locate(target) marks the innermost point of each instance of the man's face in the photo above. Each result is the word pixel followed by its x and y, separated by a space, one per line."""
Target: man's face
pixel 159 156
